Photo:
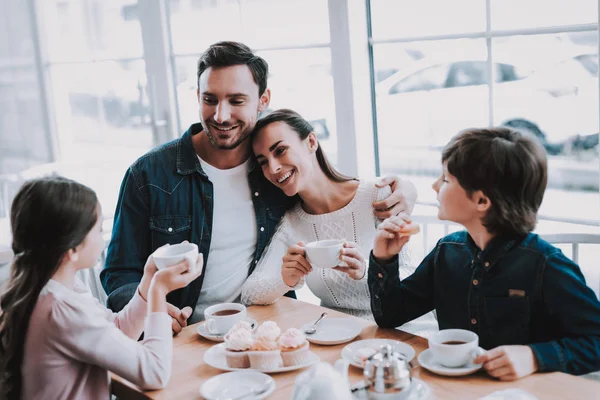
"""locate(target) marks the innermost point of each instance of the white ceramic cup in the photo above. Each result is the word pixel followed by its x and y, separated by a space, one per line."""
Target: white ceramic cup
pixel 324 253
pixel 167 256
pixel 221 324
pixel 454 355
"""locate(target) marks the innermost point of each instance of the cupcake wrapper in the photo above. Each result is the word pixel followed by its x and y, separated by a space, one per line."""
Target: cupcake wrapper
pixel 265 360
pixel 237 359
pixel 295 357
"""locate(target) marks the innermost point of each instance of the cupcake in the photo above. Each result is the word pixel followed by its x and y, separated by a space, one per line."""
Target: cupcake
pixel 294 347
pixel 242 325
pixel 265 353
pixel 237 344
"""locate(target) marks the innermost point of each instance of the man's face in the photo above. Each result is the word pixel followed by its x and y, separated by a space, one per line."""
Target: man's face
pixel 229 105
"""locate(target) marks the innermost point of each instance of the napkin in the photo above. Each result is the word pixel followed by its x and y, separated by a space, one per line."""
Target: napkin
pixel 509 394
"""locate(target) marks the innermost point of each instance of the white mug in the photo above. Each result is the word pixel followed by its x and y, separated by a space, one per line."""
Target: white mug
pixel 232 313
pixel 167 256
pixel 324 253
pixel 453 354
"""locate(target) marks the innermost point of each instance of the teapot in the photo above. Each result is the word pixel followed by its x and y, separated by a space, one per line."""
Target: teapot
pixel 387 375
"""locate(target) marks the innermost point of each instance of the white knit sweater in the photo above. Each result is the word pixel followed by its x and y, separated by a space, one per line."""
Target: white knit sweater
pixel 355 222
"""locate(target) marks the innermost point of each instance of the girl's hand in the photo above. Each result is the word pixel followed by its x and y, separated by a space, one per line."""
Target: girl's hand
pixel 295 265
pixel 356 264
pixel 149 271
pixel 391 237
pixel 177 276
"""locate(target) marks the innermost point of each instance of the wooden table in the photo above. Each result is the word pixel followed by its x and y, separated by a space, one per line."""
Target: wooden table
pixel 189 370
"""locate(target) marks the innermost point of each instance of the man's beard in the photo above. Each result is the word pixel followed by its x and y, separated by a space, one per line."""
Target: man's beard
pixel 243 135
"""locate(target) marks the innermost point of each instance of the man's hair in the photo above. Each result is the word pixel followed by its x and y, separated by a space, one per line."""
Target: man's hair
pixel 508 167
pixel 227 54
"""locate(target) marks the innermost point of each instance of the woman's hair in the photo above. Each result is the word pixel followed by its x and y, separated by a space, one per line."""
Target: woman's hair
pixel 303 128
pixel 508 167
pixel 48 216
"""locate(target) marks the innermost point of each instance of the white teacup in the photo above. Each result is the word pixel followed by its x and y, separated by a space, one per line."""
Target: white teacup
pixel 220 318
pixel 167 256
pixel 454 347
pixel 324 253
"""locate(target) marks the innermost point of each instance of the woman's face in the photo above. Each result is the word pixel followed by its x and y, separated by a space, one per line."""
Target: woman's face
pixel 286 160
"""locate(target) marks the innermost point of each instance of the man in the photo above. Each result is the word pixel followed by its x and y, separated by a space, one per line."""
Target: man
pixel 206 188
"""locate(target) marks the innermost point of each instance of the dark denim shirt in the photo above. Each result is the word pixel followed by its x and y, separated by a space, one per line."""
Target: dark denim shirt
pixel 519 290
pixel 166 197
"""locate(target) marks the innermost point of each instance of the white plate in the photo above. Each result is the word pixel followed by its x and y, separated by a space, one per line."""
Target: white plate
pixel 419 391
pixel 426 360
pixel 218 338
pixel 234 384
pixel 215 357
pixel 348 352
pixel 332 331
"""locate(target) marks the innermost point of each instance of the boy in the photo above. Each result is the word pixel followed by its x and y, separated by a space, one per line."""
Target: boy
pixel 527 302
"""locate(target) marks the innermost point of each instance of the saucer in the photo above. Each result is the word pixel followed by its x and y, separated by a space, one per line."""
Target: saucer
pixel 350 351
pixel 333 331
pixel 419 391
pixel 236 384
pixel 218 337
pixel 426 360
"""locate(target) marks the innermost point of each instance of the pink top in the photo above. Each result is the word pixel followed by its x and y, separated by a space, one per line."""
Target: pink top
pixel 73 340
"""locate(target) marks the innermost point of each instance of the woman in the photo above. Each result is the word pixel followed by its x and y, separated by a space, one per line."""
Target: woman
pixel 332 206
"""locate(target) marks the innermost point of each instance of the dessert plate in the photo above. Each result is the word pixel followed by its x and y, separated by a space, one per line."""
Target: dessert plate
pixel 333 331
pixel 352 351
pixel 236 384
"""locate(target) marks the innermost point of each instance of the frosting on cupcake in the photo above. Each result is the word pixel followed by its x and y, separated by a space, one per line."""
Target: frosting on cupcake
pixel 239 340
pixel 269 331
pixel 292 338
pixel 240 326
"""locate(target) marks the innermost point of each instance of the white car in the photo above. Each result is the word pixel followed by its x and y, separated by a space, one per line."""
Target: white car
pixel 424 105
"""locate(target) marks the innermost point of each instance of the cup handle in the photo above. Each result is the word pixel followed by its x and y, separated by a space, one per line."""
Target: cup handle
pixel 210 326
pixel 476 352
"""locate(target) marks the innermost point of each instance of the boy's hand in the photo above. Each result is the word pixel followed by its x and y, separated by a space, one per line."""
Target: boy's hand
pixel 508 363
pixel 295 265
pixel 390 239
pixel 402 199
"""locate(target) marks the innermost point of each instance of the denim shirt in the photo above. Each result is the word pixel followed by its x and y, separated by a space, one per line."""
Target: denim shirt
pixel 519 290
pixel 166 197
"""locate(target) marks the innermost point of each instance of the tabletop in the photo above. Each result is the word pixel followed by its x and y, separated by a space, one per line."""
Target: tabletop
pixel 190 371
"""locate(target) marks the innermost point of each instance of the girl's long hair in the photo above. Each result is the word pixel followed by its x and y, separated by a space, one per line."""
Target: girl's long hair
pixel 48 216
pixel 303 128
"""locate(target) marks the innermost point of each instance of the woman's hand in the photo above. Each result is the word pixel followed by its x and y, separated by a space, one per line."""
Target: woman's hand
pixel 402 199
pixel 390 237
pixel 356 266
pixel 295 265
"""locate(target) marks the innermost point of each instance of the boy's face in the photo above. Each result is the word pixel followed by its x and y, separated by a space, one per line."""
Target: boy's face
pixel 454 202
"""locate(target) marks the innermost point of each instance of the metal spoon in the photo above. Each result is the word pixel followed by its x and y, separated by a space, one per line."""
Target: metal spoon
pixel 257 391
pixel 312 329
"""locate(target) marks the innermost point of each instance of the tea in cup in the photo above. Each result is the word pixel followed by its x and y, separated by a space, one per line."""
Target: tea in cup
pixel 167 256
pixel 220 318
pixel 454 347
pixel 324 253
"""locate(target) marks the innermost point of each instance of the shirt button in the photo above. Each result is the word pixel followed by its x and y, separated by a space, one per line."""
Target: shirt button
pixel 473 321
pixel 255 194
pixel 262 228
pixel 380 275
pixel 472 262
pixel 170 229
pixel 487 264
pixel 475 282
pixel 255 261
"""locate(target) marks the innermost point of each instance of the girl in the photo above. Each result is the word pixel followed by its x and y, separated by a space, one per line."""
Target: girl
pixel 56 340
pixel 332 206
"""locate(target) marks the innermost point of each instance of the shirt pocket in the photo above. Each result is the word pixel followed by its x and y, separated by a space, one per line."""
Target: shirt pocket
pixel 170 229
pixel 508 319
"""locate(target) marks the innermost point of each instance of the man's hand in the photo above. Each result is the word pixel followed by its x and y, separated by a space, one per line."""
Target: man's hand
pixel 508 363
pixel 402 199
pixel 179 317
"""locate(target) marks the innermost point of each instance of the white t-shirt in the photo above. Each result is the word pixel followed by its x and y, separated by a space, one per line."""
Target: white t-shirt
pixel 233 240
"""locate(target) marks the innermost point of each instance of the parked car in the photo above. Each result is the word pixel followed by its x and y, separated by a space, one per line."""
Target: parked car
pixel 426 104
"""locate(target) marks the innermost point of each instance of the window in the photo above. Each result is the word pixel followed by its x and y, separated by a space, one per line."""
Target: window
pixel 428 79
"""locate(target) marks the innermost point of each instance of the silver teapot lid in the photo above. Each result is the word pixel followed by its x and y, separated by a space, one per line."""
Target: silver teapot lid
pixel 387 372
